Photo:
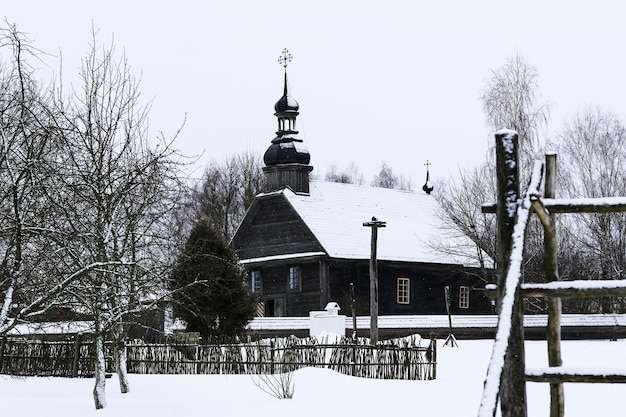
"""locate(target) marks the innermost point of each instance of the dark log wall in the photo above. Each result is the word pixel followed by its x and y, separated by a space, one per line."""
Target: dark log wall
pixel 341 274
pixel 427 284
pixel 275 229
pixel 427 289
pixel 297 303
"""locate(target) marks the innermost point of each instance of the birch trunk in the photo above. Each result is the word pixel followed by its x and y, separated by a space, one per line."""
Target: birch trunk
pixel 122 372
pixel 99 395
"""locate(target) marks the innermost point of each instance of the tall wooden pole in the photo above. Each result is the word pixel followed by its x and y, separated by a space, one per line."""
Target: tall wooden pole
pixel 374 224
pixel 513 386
pixel 551 271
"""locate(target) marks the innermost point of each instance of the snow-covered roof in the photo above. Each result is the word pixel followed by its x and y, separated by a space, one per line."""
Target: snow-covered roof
pixel 61 327
pixel 335 214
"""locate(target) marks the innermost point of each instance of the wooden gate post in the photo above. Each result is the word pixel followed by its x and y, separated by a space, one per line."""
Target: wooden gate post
pixel 512 386
pixel 551 271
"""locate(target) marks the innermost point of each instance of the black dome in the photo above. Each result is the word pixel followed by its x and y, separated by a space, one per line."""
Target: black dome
pixel 286 153
pixel 286 104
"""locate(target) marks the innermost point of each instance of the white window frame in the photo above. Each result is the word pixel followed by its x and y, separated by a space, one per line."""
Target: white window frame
pixel 295 278
pixel 403 292
pixel 464 296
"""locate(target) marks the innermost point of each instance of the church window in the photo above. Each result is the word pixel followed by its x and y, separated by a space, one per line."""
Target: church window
pixel 295 278
pixel 256 282
pixel 464 293
pixel 404 292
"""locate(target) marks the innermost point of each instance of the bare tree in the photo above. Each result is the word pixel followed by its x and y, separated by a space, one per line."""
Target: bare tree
pixel 386 178
pixel 225 192
pixel 27 147
pixel 461 200
pixel 510 101
pixel 350 175
pixel 593 148
pixel 253 179
pixel 114 191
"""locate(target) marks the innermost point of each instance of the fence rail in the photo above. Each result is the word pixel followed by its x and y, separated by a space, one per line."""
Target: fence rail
pixel 507 374
pixel 396 359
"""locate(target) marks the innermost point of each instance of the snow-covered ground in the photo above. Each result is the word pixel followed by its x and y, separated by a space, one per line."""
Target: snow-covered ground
pixel 318 392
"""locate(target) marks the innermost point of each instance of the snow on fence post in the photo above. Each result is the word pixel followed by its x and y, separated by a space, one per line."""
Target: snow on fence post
pixel 512 386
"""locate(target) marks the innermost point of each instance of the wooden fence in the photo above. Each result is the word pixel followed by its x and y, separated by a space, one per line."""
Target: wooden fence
pixel 46 358
pixel 395 359
pixel 507 374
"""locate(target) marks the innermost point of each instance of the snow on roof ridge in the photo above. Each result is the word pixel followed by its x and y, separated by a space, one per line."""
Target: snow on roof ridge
pixel 365 186
pixel 281 257
pixel 277 192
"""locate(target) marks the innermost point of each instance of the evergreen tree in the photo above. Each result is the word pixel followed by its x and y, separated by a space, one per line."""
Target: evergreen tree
pixel 209 289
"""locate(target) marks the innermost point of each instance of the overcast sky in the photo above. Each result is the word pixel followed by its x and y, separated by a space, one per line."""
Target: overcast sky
pixel 394 81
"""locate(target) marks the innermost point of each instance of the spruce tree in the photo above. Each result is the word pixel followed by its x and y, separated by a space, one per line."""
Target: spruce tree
pixel 209 287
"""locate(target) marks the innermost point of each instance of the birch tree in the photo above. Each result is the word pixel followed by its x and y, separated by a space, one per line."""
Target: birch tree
pixel 510 100
pixel 117 189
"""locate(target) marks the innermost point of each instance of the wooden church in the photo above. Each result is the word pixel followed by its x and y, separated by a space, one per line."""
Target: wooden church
pixel 304 243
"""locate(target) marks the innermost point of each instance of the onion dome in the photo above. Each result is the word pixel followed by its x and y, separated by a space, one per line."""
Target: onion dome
pixel 428 188
pixel 286 103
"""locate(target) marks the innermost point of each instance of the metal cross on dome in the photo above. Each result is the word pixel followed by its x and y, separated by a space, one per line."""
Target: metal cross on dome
pixel 285 58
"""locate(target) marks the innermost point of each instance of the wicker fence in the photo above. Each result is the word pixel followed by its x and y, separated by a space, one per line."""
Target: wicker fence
pixel 396 359
pixel 45 358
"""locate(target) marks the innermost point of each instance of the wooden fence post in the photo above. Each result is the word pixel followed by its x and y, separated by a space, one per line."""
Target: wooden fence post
pixel 272 368
pixel 431 357
pixel 353 307
pixel 76 355
pixel 3 343
pixel 551 271
pixel 512 386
